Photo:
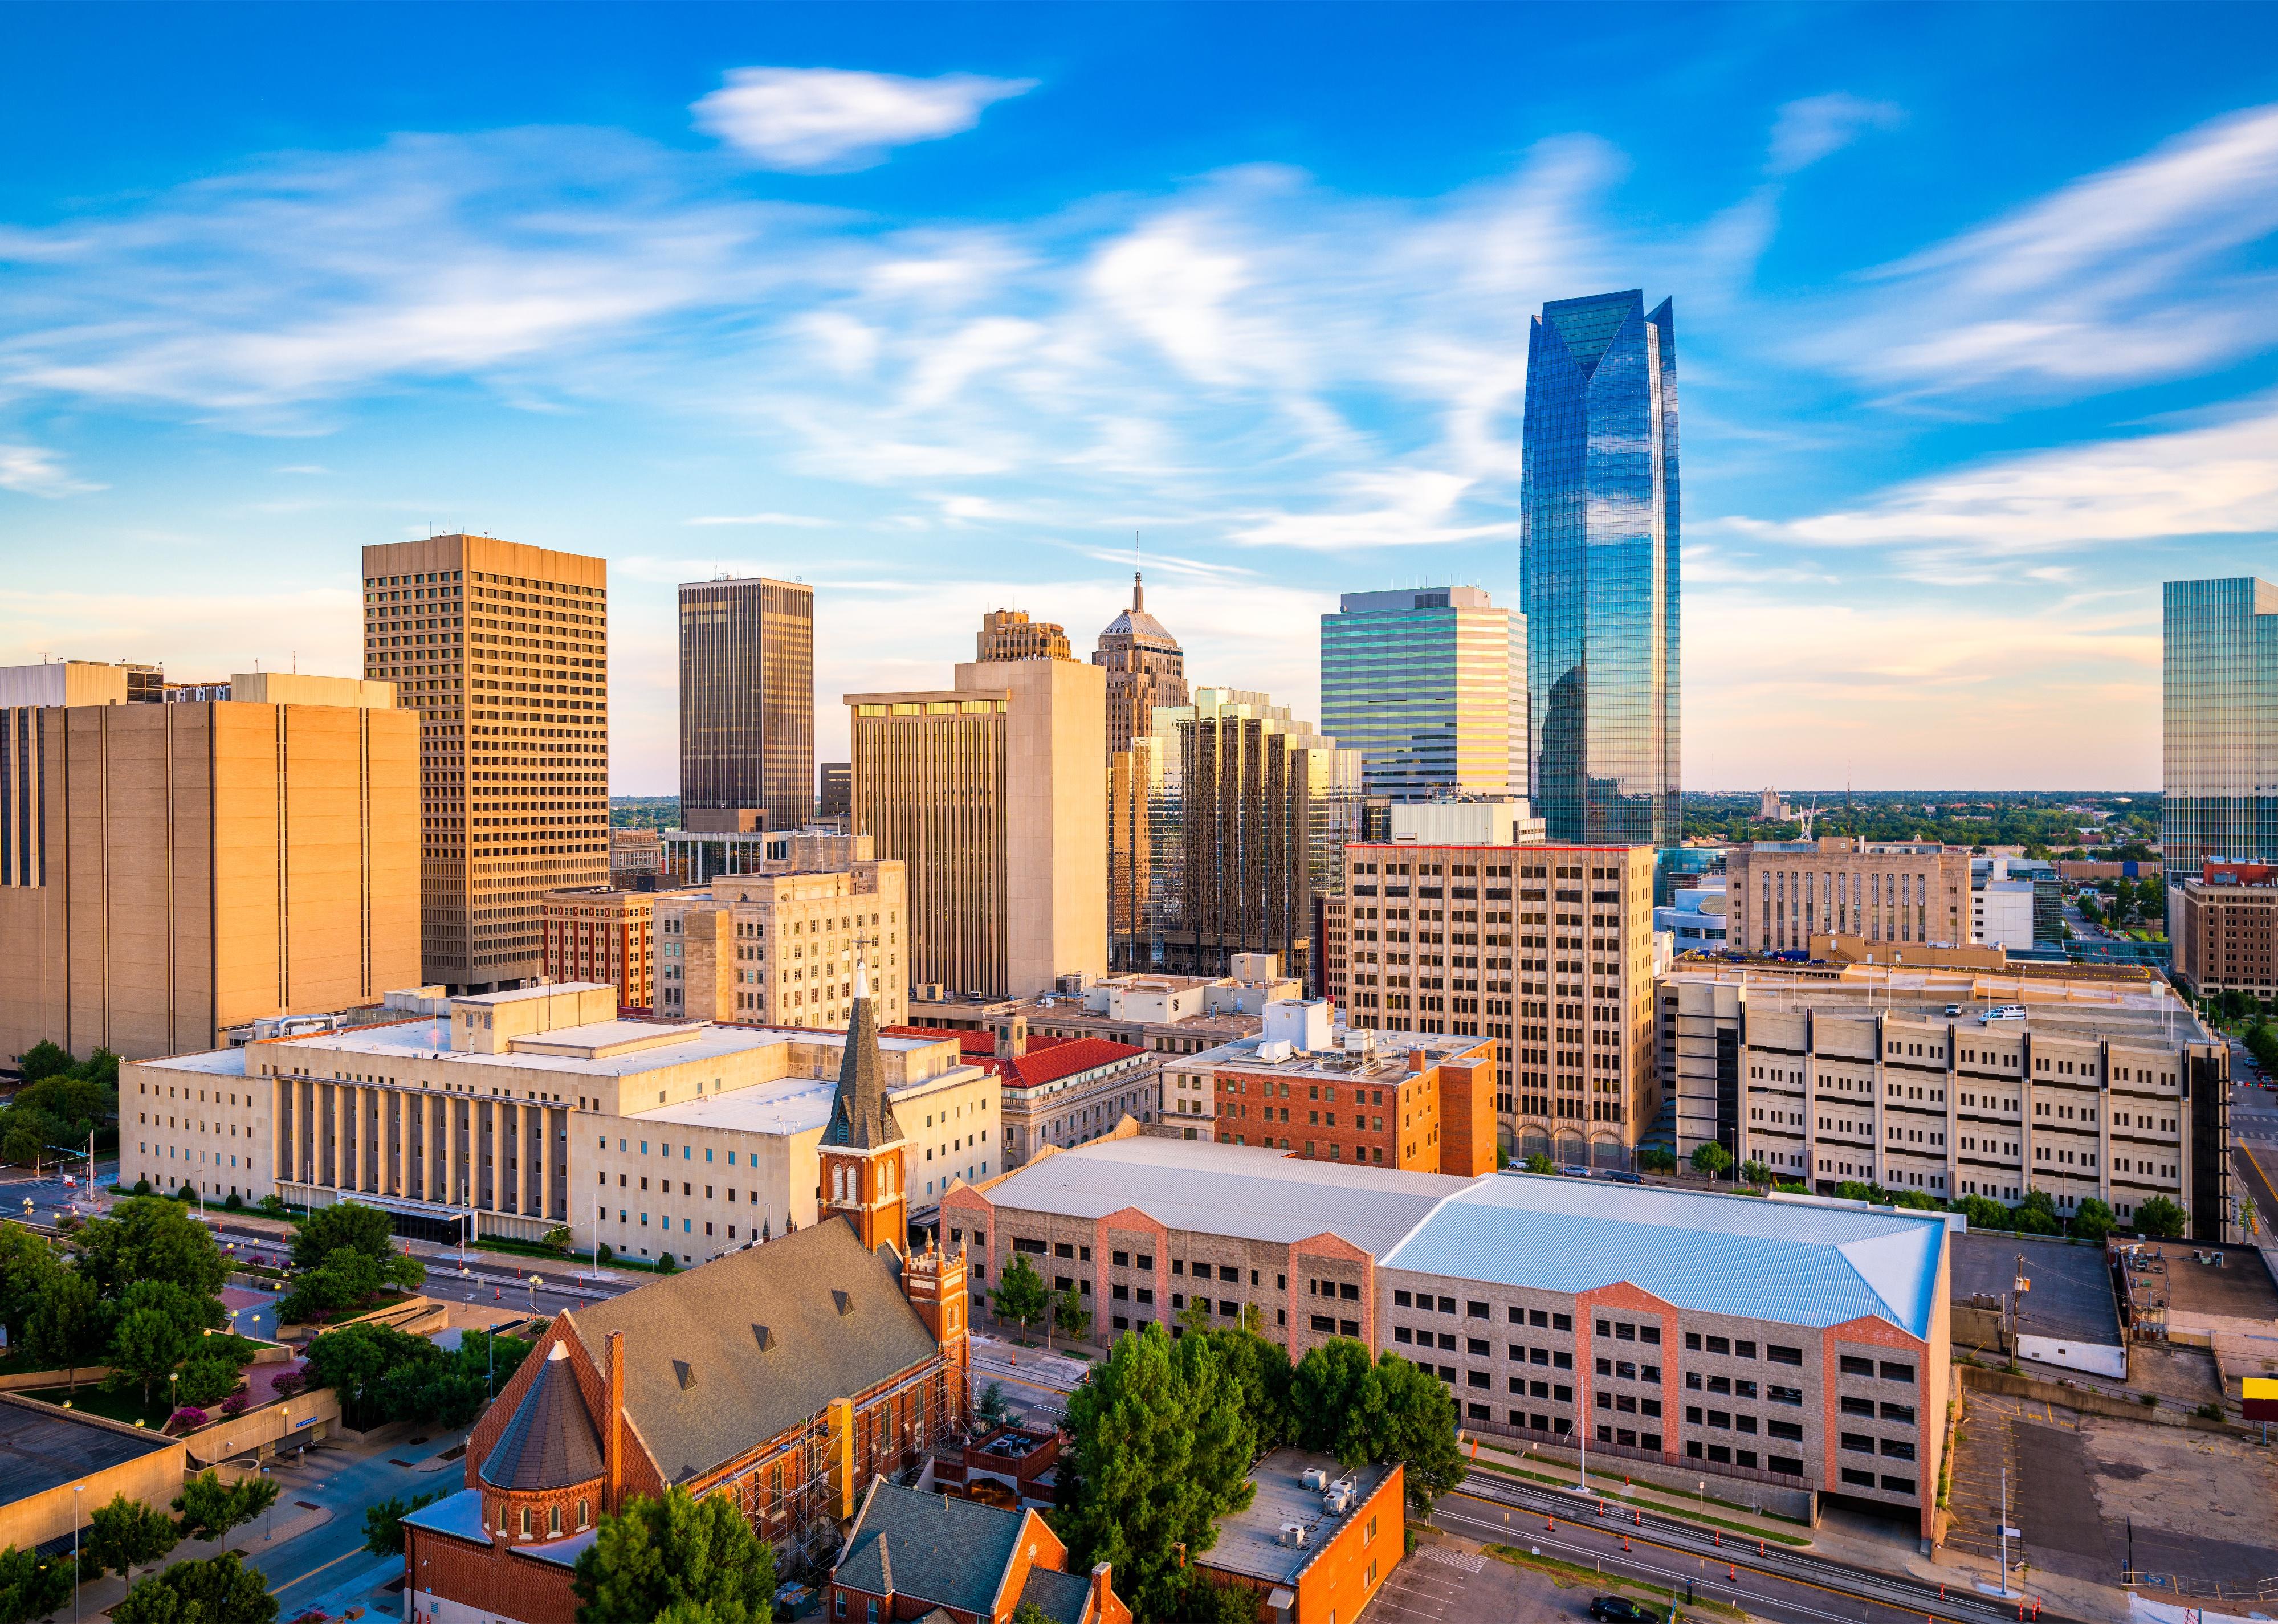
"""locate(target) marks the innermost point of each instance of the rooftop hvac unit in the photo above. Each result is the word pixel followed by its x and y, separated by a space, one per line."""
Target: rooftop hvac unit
pixel 1337 1500
pixel 1316 1478
pixel 1293 1534
pixel 1274 1054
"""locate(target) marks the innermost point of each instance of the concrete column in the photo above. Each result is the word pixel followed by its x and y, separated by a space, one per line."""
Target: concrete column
pixel 546 1161
pixel 493 1128
pixel 426 1145
pixel 353 1093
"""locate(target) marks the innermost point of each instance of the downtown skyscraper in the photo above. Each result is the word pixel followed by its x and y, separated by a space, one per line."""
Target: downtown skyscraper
pixel 2218 688
pixel 747 699
pixel 1599 569
pixel 1429 684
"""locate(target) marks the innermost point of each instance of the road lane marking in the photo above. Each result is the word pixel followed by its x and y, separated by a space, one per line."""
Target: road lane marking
pixel 280 1588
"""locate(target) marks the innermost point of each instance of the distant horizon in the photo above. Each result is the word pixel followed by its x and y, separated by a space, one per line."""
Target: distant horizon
pixel 934 307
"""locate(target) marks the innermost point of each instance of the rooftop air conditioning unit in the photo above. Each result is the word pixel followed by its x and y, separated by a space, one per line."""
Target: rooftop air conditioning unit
pixel 1274 1053
pixel 1316 1478
pixel 1293 1534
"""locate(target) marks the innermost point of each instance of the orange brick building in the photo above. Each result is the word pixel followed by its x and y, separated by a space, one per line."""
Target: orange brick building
pixel 599 934
pixel 912 1555
pixel 1423 1102
pixel 1317 1541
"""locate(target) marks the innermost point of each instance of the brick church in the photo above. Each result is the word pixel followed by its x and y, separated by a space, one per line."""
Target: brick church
pixel 788 1375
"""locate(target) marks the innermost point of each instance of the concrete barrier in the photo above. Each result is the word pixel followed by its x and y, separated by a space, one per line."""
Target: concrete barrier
pixel 2169 1412
pixel 303 1418
pixel 24 1381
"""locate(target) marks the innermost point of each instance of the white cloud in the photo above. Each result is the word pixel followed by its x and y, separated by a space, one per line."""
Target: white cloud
pixel 1809 130
pixel 832 118
pixel 34 470
pixel 1976 523
pixel 2131 274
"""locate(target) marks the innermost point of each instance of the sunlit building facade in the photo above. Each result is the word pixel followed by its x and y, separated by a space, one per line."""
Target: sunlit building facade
pixel 747 699
pixel 1430 686
pixel 2220 723
pixel 1599 542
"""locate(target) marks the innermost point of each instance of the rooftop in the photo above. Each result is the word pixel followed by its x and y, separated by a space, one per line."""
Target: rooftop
pixel 1241 1190
pixel 2062 999
pixel 2071 1296
pixel 1798 1262
pixel 1387 1055
pixel 43 1446
pixel 1250 1541
pixel 937 1547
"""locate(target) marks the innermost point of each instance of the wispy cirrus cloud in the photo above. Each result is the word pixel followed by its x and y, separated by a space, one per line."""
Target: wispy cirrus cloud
pixel 34 470
pixel 1818 125
pixel 2134 273
pixel 819 119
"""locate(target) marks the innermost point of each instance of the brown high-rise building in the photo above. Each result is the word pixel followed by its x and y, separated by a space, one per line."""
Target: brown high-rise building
pixel 1009 634
pixel 992 794
pixel 503 649
pixel 747 699
pixel 168 872
pixel 1145 667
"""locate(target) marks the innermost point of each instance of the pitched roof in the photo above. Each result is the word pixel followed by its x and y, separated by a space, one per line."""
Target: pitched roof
pixel 939 1549
pixel 551 1443
pixel 1063 1597
pixel 1049 1062
pixel 1791 1262
pixel 861 1115
pixel 704 1385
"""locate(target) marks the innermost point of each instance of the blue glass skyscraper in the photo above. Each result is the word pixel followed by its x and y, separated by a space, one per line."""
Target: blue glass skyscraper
pixel 1599 543
pixel 2220 726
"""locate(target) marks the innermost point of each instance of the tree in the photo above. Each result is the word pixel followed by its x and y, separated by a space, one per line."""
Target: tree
pixel 349 1277
pixel 1537 1163
pixel 210 1507
pixel 361 1362
pixel 2093 1220
pixel 126 1534
pixel 658 1554
pixel 28 1264
pixel 1368 1414
pixel 1983 1212
pixel 218 1590
pixel 1162 1450
pixel 362 1229
pixel 1652 1159
pixel 1756 1172
pixel 67 1328
pixel 557 1241
pixel 1071 1316
pixel 1018 1295
pixel 147 1345
pixel 1029 1612
pixel 2036 1214
pixel 383 1524
pixel 30 1588
pixel 44 1059
pixel 992 1408
pixel 1712 1160
pixel 1260 1369
pixel 2161 1218
pixel 146 1237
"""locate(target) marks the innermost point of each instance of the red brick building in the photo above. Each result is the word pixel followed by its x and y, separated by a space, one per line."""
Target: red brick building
pixel 1316 1540
pixel 912 1555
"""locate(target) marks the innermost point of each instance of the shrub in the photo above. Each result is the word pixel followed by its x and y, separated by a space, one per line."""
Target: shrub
pixel 665 1264
pixel 186 1419
pixel 236 1404
pixel 235 1203
pixel 141 1186
pixel 2209 1412
pixel 2149 1401
pixel 604 1253
pixel 290 1384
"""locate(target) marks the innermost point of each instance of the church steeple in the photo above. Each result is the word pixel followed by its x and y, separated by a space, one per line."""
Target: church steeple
pixel 861 1153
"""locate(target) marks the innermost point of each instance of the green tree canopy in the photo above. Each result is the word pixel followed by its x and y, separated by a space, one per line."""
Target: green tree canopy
pixel 366 1230
pixel 1260 1369
pixel 31 1587
pixel 1070 1316
pixel 218 1590
pixel 210 1508
pixel 146 1346
pixel 44 1059
pixel 1372 1413
pixel 126 1534
pixel 1983 1212
pixel 1162 1446
pixel 2092 1220
pixel 1712 1160
pixel 1018 1295
pixel 383 1524
pixel 2161 1218
pixel 657 1555
pixel 148 1238
pixel 27 1265
pixel 68 1327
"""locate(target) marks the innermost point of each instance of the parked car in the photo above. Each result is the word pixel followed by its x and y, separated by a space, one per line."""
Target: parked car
pixel 1622 1610
pixel 1621 1178
pixel 1575 1172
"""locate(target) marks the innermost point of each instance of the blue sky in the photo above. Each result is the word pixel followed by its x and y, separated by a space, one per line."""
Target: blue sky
pixel 934 307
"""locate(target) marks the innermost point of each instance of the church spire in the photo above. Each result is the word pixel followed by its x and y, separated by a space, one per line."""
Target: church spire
pixel 861 1115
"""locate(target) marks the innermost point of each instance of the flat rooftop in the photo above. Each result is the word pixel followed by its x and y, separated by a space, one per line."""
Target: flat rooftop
pixel 788 1105
pixel 1796 1262
pixel 2071 1298
pixel 1387 1060
pixel 1241 1190
pixel 1250 1541
pixel 2239 1289
pixel 2129 1007
pixel 44 1447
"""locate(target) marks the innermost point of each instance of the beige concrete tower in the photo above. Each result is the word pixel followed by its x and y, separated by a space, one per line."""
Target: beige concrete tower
pixel 992 794
pixel 504 651
pixel 168 872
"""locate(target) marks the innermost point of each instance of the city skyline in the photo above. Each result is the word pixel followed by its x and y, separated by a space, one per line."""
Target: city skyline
pixel 1969 372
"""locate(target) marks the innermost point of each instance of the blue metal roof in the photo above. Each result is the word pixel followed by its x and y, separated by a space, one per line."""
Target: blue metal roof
pixel 1793 1262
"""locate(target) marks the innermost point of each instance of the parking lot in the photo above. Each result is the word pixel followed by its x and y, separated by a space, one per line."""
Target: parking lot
pixel 1438 1585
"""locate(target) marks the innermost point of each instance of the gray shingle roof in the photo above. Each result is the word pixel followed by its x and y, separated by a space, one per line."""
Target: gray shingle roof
pixel 551 1443
pixel 934 1547
pixel 700 1388
pixel 861 1114
pixel 1063 1597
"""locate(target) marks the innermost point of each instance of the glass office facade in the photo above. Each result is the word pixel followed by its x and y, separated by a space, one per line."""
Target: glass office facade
pixel 747 697
pixel 1599 564
pixel 2219 725
pixel 1430 686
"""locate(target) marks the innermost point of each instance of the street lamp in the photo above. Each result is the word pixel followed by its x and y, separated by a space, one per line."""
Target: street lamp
pixel 77 1490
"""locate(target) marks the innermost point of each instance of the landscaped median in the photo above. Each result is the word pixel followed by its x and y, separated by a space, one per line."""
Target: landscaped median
pixel 1567 1574
pixel 1658 1498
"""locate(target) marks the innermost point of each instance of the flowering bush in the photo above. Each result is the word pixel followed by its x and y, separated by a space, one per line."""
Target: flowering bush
pixel 236 1404
pixel 186 1420
pixel 293 1381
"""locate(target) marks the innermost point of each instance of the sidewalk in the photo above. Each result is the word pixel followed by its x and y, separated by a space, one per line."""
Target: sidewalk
pixel 99 1596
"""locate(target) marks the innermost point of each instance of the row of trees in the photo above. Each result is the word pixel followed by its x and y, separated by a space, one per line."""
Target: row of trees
pixel 381 1374
pixel 1167 1429
pixel 344 1258
pixel 135 1291
pixel 62 1102
pixel 126 1534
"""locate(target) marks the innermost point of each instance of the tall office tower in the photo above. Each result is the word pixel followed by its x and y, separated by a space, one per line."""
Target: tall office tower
pixel 837 797
pixel 504 651
pixel 2220 723
pixel 990 794
pixel 168 872
pixel 1246 810
pixel 1009 634
pixel 1548 948
pixel 1430 686
pixel 1598 524
pixel 747 699
pixel 1145 669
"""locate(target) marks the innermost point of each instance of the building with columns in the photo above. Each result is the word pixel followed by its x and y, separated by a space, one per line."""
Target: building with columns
pixel 786 1377
pixel 537 1109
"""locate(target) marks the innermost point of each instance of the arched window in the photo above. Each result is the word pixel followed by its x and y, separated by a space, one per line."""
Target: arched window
pixel 525 1523
pixel 553 1519
pixel 501 1516
pixel 839 1182
pixel 585 1513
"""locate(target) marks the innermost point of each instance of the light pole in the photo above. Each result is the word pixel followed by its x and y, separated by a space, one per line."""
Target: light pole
pixel 77 1490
